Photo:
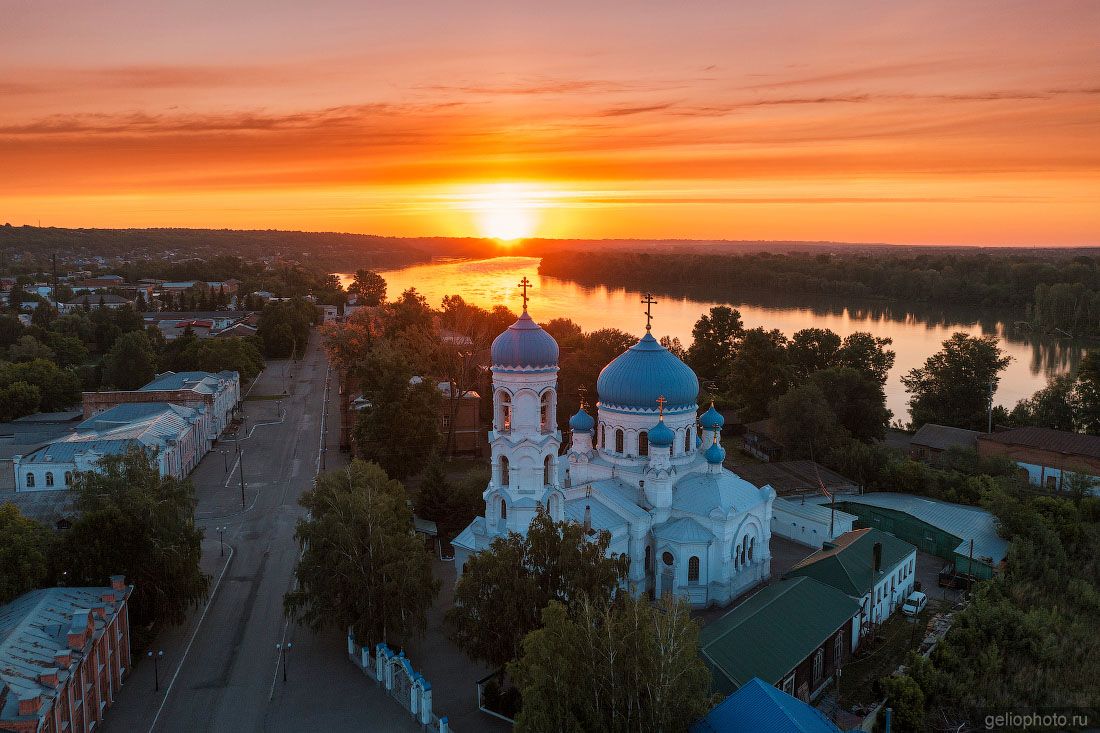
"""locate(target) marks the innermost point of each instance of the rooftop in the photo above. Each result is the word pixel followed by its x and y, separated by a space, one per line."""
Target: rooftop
pixel 758 706
pixel 1056 441
pixel 773 631
pixel 943 437
pixel 205 382
pixel 794 477
pixel 847 563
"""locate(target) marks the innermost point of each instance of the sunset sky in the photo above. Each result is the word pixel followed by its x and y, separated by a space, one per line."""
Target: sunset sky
pixel 910 122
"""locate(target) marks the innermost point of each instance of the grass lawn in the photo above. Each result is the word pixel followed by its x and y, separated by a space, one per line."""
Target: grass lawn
pixel 881 654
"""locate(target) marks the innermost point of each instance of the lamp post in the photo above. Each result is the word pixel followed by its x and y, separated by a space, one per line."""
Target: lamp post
pixel 156 668
pixel 221 540
pixel 225 458
pixel 283 649
pixel 240 459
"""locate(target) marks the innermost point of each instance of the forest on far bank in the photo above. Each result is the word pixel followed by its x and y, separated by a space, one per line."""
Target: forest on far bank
pixel 1056 293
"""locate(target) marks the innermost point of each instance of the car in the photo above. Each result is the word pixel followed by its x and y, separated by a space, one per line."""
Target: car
pixel 914 604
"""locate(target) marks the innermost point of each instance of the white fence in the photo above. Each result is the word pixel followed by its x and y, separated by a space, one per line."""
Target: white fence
pixel 395 674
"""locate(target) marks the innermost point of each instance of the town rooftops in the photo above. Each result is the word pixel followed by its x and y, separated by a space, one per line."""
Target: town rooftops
pixel 944 437
pixel 965 522
pixel 130 412
pixel 794 477
pixel 773 631
pixel 811 510
pixel 95 298
pixel 36 650
pixel 203 382
pixel 847 563
pixel 758 706
pixel 1055 441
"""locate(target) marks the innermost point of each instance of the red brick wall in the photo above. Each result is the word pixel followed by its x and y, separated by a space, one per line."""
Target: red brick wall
pixel 97 402
pixel 1039 457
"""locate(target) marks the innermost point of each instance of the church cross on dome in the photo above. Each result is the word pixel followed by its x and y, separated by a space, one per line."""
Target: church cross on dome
pixel 649 303
pixel 661 407
pixel 524 283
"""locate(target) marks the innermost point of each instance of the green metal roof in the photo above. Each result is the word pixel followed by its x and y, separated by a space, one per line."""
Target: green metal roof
pixel 773 631
pixel 848 564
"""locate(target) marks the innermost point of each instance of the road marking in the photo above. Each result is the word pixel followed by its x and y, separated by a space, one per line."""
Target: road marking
pixel 187 649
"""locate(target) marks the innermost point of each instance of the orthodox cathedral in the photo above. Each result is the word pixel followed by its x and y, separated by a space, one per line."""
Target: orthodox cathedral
pixel 647 469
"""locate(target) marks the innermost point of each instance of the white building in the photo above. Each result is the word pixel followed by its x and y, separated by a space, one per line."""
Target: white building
pixel 647 469
pixel 808 523
pixel 172 433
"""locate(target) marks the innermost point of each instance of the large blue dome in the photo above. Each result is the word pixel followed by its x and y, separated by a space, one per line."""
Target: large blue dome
pixel 644 372
pixel 525 345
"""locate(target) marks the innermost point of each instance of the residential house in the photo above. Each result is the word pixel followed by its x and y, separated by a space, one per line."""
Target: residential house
pixel 964 535
pixel 932 440
pixel 872 567
pixel 759 441
pixel 793 635
pixel 808 523
pixel 1053 459
pixel 103 281
pixel 94 301
pixel 758 706
pixel 64 655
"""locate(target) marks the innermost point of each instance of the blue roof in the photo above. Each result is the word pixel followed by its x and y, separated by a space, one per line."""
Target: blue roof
pixel 602 516
pixel 129 412
pixel 684 529
pixel 185 380
pixel 715 454
pixel 645 372
pixel 524 345
pixel 660 435
pixel 712 419
pixel 702 493
pixel 757 706
pixel 582 422
pixel 64 451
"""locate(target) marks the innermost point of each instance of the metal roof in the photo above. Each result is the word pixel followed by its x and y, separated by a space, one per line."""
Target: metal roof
pixel 810 510
pixel 792 477
pixel 684 529
pixel 773 631
pixel 204 382
pixel 1056 441
pixel 942 437
pixel 964 522
pixel 645 372
pixel 701 493
pixel 603 517
pixel 847 563
pixel 129 412
pixel 758 706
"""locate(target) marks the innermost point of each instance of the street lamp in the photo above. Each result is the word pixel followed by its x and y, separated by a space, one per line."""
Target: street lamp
pixel 225 458
pixel 221 540
pixel 283 649
pixel 156 668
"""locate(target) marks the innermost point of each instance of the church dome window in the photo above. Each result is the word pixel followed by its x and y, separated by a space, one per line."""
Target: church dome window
pixel 619 441
pixel 643 443
pixel 504 470
pixel 668 559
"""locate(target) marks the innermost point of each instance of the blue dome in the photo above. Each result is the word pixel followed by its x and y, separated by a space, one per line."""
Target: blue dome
pixel 715 454
pixel 525 344
pixel 712 419
pixel 644 372
pixel 582 422
pixel 661 436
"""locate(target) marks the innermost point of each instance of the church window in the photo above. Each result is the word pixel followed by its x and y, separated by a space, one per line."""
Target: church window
pixel 744 549
pixel 544 414
pixel 752 546
pixel 687 441
pixel 648 558
pixel 643 443
pixel 693 570
pixel 618 441
pixel 503 510
pixel 68 478
pixel 30 480
pixel 668 559
pixel 547 467
pixel 505 411
pixel 49 478
pixel 504 471
pixel 819 665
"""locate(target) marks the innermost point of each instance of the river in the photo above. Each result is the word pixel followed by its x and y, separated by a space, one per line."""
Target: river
pixel 917 331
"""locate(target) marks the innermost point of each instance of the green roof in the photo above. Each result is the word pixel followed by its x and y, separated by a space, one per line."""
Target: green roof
pixel 770 634
pixel 846 563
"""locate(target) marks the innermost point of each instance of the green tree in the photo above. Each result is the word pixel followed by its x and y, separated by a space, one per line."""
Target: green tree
pixel 131 363
pixel 906 699
pixel 361 565
pixel 1054 406
pixel 58 388
pixel 69 351
pixel 219 354
pixel 284 327
pixel 868 354
pixel 715 339
pixel 369 286
pixel 626 666
pixel 954 386
pixel 502 591
pixel 18 399
pixel 24 553
pixel 451 506
pixel 858 402
pixel 133 521
pixel 811 350
pixel 10 329
pixel 805 423
pixel 400 430
pixel 759 372
pixel 28 348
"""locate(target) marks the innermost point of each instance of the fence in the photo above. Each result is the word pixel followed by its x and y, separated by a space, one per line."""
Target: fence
pixel 395 674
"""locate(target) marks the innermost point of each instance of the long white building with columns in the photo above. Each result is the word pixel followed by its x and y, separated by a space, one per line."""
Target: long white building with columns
pixel 647 469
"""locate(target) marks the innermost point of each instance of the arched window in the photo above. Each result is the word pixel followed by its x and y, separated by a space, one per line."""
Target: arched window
pixel 503 510
pixel 504 471
pixel 30 480
pixel 752 546
pixel 603 437
pixel 505 411
pixel 49 478
pixel 687 440
pixel 643 443
pixel 693 569
pixel 648 558
pixel 68 478
pixel 819 665
pixel 744 549
pixel 545 415
pixel 547 468
pixel 619 441
pixel 668 559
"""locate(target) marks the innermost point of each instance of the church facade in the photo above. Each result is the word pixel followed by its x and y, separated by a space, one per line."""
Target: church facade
pixel 647 469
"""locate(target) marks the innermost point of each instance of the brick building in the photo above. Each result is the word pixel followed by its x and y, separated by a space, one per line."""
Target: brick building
pixel 1051 458
pixel 64 653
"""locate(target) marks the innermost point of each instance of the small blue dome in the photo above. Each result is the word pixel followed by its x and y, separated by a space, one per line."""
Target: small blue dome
pixel 661 436
pixel 712 419
pixel 582 422
pixel 715 454
pixel 525 344
pixel 644 372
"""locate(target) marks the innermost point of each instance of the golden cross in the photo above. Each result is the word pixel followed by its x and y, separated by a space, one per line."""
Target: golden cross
pixel 524 283
pixel 649 303
pixel 661 407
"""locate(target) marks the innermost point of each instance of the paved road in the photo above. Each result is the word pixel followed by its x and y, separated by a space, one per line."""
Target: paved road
pixel 220 669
